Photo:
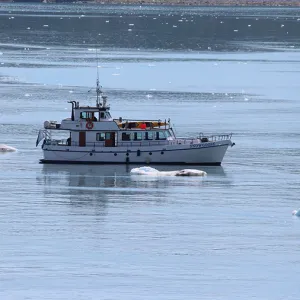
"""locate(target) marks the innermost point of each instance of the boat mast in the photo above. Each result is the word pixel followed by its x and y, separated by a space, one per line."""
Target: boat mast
pixel 98 88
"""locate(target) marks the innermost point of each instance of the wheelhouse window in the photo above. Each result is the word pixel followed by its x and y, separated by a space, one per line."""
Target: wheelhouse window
pixel 105 115
pixel 88 115
pixel 100 136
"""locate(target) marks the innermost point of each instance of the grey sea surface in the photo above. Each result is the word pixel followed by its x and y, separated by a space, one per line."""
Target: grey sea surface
pixel 97 232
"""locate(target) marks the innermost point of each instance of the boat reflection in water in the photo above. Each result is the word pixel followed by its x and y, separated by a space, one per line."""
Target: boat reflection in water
pixel 110 177
pixel 100 184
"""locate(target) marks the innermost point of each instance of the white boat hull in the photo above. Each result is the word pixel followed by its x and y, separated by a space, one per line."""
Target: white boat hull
pixel 201 154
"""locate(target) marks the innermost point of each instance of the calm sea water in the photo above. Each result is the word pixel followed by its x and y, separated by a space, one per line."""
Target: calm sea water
pixel 95 232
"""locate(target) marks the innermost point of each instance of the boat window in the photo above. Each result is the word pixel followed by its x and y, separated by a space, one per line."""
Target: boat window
pixel 83 115
pixel 108 135
pixel 100 136
pixel 125 136
pixel 102 115
pixel 88 115
pixel 160 135
pixel 168 133
pixel 148 135
pixel 138 136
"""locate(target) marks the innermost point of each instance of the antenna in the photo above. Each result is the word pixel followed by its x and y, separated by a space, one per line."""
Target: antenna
pixel 98 87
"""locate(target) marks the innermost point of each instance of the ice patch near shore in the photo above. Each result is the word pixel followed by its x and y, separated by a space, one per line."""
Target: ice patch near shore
pixel 5 148
pixel 154 172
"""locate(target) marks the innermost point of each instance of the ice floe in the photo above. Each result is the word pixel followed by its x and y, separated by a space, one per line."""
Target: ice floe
pixel 5 148
pixel 148 171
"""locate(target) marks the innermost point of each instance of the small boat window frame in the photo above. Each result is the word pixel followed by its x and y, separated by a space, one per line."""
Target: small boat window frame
pixel 149 135
pixel 160 135
pixel 88 115
pixel 100 136
pixel 138 136
pixel 126 136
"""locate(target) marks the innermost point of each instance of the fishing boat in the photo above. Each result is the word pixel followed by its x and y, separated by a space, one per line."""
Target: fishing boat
pixel 92 136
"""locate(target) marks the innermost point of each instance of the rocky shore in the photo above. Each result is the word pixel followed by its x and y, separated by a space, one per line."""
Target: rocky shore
pixel 286 3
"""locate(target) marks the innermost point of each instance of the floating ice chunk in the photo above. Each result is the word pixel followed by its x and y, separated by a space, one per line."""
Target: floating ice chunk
pixel 190 172
pixel 235 30
pixel 296 213
pixel 45 25
pixel 154 172
pixel 282 25
pixel 130 24
pixel 5 148
pixel 129 29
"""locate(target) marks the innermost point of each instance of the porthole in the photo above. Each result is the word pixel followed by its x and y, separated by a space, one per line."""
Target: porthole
pixel 115 154
pixel 162 152
pixel 91 154
pixel 150 153
pixel 127 154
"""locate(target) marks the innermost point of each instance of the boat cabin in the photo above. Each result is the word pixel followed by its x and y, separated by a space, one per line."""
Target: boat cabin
pixel 89 113
pixel 93 126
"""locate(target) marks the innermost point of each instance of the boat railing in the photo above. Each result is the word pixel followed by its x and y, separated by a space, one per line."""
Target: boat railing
pixel 143 143
pixel 134 124
pixel 66 142
pixel 101 144
pixel 121 120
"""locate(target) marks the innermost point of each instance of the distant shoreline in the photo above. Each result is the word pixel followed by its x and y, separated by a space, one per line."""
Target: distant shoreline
pixel 220 3
pixel 248 3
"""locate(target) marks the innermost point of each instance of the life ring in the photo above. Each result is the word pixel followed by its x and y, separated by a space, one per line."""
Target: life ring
pixel 89 125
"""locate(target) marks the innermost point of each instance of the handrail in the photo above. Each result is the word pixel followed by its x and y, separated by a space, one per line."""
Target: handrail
pixel 144 143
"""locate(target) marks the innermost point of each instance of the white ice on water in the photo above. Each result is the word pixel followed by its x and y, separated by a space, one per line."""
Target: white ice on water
pixel 5 148
pixel 154 172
